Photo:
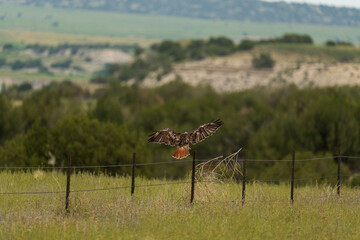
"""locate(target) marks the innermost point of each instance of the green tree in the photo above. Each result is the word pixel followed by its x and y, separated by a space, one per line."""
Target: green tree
pixel 5 124
pixel 109 109
pixel 51 104
pixel 220 46
pixel 90 142
pixel 172 49
pixel 36 144
pixel 13 153
pixel 328 124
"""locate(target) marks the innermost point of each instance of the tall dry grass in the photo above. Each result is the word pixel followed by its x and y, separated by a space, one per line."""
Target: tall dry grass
pixel 164 212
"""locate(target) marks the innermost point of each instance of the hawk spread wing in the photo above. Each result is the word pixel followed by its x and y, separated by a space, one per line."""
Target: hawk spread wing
pixel 165 136
pixel 204 131
pixel 181 140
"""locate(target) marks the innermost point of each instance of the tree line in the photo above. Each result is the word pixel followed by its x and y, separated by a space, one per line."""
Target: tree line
pixel 161 57
pixel 107 126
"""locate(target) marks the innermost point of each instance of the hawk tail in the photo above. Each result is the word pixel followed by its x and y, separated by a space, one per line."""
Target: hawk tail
pixel 181 152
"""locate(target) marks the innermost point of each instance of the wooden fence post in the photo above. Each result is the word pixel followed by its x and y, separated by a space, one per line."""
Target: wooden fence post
pixel 193 178
pixel 292 177
pixel 68 182
pixel 244 178
pixel 339 176
pixel 133 175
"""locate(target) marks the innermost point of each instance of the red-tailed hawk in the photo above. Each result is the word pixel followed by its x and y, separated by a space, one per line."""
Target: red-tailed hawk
pixel 181 140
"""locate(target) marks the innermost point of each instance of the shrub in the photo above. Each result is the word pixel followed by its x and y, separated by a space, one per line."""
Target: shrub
pixel 17 65
pixel 330 43
pixel 8 46
pixel 43 69
pixel 343 43
pixel 37 48
pixel 355 181
pixel 246 45
pixel 290 38
pixel 296 38
pixel 24 87
pixel 33 63
pixel 2 62
pixel 263 61
pixel 222 41
pixel 62 64
pixel 79 69
pixel 138 51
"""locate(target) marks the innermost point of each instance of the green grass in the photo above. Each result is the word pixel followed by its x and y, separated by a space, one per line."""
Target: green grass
pixel 337 54
pixel 155 27
pixel 163 212
pixel 24 76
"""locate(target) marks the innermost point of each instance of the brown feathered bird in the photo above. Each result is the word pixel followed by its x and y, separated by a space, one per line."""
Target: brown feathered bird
pixel 169 137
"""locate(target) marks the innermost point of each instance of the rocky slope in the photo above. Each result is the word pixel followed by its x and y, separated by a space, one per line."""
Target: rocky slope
pixel 236 72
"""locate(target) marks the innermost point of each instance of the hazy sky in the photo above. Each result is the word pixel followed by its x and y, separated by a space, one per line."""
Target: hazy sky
pixel 347 3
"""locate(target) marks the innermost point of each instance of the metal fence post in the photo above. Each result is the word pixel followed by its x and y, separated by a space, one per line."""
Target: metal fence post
pixel 68 183
pixel 133 175
pixel 244 178
pixel 292 177
pixel 193 178
pixel 339 176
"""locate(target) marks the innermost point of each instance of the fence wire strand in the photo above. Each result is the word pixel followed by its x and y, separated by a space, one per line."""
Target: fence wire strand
pixel 297 200
pixel 102 189
pixel 220 158
pixel 178 161
pixel 164 184
pixel 289 160
pixel 101 166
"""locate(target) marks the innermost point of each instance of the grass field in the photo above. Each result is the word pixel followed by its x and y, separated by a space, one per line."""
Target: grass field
pixel 97 23
pixel 163 212
pixel 54 39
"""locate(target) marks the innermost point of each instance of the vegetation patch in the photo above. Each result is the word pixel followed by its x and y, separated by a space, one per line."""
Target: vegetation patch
pixel 164 212
pixel 263 61
pixel 62 64
pixel 32 63
pixel 113 122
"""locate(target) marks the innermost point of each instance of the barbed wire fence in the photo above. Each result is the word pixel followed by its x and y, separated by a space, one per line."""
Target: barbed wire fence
pixel 232 161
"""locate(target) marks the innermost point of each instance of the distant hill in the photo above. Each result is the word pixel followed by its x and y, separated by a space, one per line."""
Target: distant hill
pixel 241 10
